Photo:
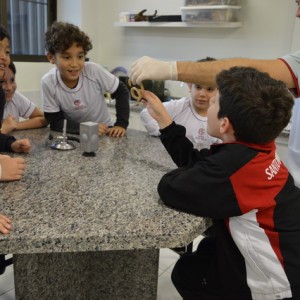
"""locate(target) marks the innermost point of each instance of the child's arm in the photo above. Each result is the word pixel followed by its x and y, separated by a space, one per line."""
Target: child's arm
pixel 156 109
pixel 36 120
pixel 172 136
pixel 21 146
pixel 149 123
pixel 11 168
pixel 56 121
pixel 5 224
pixel 122 110
pixel 8 124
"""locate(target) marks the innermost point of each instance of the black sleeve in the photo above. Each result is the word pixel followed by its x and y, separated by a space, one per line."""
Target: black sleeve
pixel 2 101
pixel 5 142
pixel 179 147
pixel 122 105
pixel 56 121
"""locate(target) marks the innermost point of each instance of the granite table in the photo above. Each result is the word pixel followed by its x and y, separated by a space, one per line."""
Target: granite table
pixel 91 227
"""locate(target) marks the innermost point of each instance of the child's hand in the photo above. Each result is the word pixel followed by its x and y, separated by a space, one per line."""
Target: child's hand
pixel 5 224
pixel 116 131
pixel 21 146
pixel 11 168
pixel 102 129
pixel 9 124
pixel 156 109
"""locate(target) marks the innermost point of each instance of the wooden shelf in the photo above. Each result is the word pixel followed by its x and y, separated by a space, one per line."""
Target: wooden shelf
pixel 180 24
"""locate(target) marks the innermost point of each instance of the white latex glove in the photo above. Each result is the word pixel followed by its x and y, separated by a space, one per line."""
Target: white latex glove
pixel 153 69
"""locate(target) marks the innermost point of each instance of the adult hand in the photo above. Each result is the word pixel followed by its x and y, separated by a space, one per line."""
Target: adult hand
pixel 21 146
pixel 150 68
pixel 11 168
pixel 156 109
pixel 5 224
pixel 9 124
pixel 116 131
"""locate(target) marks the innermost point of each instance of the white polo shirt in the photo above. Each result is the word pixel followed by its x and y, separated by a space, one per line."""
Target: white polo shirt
pixel 19 106
pixel 86 101
pixel 183 112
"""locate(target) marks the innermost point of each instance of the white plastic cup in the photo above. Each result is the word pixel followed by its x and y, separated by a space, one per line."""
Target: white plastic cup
pixel 124 17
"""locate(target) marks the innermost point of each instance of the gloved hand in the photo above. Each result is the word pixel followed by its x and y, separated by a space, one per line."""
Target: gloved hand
pixel 153 69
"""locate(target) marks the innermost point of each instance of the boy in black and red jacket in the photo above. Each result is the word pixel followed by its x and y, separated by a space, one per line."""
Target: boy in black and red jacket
pixel 253 248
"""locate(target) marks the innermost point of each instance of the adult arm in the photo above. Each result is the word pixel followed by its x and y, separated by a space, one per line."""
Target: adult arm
pixel 204 72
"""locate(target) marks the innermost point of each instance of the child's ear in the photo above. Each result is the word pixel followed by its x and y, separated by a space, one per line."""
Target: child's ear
pixel 50 57
pixel 225 126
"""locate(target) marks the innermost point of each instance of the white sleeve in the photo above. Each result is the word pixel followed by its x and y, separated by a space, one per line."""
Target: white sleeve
pixel 172 107
pixel 293 158
pixel 49 104
pixel 25 106
pixel 150 124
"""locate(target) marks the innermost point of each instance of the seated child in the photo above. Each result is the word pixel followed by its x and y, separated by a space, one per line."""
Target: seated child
pixel 189 112
pixel 74 89
pixel 18 106
pixel 9 143
pixel 252 251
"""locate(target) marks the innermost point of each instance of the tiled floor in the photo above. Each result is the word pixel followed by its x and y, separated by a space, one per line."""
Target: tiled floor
pixel 165 291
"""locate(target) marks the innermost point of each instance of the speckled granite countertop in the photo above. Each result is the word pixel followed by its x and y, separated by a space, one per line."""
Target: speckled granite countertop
pixel 68 203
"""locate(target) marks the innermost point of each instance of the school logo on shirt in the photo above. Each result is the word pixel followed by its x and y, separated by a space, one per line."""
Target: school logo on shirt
pixel 78 105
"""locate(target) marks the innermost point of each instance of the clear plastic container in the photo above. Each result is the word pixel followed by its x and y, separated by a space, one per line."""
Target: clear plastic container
pixel 211 2
pixel 216 14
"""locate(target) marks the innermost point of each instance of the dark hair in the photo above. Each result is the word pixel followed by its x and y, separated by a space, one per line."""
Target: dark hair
pixel 61 36
pixel 4 33
pixel 207 58
pixel 258 106
pixel 12 67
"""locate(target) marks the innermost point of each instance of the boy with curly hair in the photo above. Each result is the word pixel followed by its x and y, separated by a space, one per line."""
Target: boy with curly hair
pixel 74 89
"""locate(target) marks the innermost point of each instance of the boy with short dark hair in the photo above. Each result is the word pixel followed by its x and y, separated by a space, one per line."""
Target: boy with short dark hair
pixel 74 90
pixel 252 250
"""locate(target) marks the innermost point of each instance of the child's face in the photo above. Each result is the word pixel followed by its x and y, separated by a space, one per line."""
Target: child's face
pixel 4 56
pixel 70 64
pixel 213 122
pixel 200 97
pixel 9 84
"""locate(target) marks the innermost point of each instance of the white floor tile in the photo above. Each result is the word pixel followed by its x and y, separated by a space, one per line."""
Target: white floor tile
pixel 167 257
pixel 166 289
pixel 8 295
pixel 7 280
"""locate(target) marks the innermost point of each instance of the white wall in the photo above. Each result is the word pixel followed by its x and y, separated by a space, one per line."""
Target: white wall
pixel 269 31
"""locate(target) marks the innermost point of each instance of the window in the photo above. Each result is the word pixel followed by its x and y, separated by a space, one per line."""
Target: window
pixel 27 21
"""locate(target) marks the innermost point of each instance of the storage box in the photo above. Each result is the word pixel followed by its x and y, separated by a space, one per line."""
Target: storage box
pixel 211 2
pixel 216 14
